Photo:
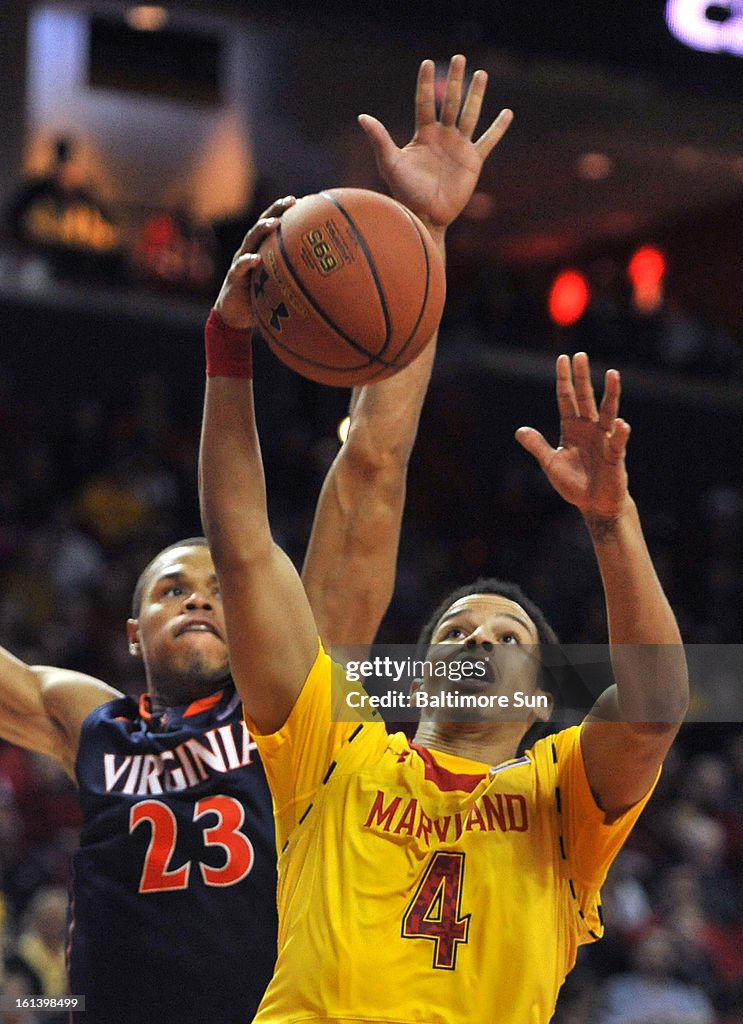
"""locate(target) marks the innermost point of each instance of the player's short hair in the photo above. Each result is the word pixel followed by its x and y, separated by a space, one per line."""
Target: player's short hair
pixel 489 585
pixel 189 542
pixel 545 633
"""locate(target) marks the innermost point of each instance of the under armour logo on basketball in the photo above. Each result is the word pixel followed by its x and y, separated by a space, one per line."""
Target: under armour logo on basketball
pixel 277 314
pixel 260 284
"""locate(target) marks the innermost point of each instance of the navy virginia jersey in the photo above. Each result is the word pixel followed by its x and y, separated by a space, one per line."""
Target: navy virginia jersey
pixel 173 914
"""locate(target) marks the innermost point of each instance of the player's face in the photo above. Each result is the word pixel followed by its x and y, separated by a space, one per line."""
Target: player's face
pixel 180 632
pixel 500 641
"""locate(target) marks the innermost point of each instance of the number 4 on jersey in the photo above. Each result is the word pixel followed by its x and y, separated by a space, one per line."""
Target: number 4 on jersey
pixel 435 910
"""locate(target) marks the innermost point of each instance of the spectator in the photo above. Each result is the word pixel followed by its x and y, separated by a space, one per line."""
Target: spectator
pixel 59 216
pixel 650 994
pixel 18 982
pixel 173 251
pixel 41 943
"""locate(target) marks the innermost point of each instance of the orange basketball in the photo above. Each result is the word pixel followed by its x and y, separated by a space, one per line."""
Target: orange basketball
pixel 351 287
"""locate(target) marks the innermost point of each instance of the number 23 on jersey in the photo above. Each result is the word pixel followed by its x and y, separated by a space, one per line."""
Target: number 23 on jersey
pixel 158 875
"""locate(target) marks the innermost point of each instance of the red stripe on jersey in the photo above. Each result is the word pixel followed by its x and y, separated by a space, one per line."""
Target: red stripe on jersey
pixel 203 704
pixel 442 777
pixel 145 706
pixel 194 708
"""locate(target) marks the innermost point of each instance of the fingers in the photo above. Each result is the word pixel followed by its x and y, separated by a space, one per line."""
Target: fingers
pixel 268 222
pixel 252 241
pixel 425 94
pixel 450 116
pixel 576 398
pixel 566 403
pixel 233 301
pixel 610 401
pixel 492 135
pixel 242 265
pixel 616 442
pixel 375 131
pixel 473 103
pixel 583 387
pixel 453 91
pixel 534 443
pixel 278 207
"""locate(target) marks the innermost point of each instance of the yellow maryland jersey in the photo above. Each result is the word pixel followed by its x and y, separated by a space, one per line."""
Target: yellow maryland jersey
pixel 416 886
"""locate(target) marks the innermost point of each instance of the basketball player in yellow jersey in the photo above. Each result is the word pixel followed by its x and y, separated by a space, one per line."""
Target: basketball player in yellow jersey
pixel 446 880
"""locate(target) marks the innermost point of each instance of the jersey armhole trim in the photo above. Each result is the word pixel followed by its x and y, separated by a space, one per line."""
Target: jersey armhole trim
pixel 338 756
pixel 576 903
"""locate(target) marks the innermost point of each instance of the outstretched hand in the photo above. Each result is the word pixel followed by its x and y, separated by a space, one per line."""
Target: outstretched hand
pixel 587 468
pixel 437 172
pixel 233 301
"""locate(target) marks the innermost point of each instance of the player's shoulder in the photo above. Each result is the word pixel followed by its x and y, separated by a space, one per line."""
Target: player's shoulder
pixel 555 747
pixel 69 697
pixel 119 708
pixel 116 716
pixel 63 686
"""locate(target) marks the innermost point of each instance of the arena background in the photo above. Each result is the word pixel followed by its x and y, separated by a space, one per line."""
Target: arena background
pixel 624 138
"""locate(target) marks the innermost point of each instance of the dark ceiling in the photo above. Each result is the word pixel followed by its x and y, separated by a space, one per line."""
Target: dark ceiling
pixel 611 33
pixel 592 77
pixel 620 130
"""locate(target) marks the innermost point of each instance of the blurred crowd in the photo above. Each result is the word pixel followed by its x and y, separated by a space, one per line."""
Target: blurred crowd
pixel 90 493
pixel 59 222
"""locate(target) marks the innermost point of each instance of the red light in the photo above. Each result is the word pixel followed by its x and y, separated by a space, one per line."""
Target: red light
pixel 647 267
pixel 568 297
pixel 646 270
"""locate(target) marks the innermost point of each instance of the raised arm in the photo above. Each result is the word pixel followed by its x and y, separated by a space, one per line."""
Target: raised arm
pixel 349 570
pixel 43 709
pixel 271 631
pixel 632 725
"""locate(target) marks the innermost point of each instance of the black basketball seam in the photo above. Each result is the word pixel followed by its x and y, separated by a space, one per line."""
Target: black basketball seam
pixel 424 301
pixel 351 342
pixel 306 359
pixel 370 265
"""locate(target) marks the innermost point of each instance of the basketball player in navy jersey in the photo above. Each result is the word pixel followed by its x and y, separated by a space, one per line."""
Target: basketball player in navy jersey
pixel 177 849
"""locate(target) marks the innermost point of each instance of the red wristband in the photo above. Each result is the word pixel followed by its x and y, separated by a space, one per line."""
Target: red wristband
pixel 229 351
